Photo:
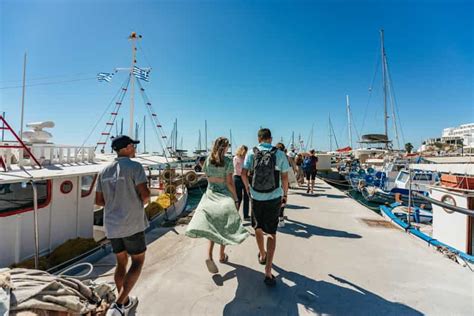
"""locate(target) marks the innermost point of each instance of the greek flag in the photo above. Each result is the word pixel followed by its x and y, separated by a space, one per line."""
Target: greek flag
pixel 105 76
pixel 142 74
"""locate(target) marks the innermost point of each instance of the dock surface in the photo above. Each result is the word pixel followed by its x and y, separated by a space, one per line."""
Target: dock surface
pixel 333 257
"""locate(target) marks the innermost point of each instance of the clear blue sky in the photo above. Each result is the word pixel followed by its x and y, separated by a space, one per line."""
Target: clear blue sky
pixel 242 64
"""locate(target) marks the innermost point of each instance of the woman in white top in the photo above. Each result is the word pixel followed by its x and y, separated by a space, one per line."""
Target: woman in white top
pixel 239 185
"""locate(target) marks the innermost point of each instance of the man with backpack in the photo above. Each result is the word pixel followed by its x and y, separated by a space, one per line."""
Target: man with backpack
pixel 310 169
pixel 268 191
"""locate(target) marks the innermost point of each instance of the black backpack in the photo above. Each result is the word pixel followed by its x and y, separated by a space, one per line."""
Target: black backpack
pixel 265 177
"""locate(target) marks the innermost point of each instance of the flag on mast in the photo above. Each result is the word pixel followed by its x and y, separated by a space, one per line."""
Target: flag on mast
pixel 105 76
pixel 142 74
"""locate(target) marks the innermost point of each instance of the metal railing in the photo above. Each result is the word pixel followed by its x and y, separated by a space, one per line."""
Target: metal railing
pixel 46 154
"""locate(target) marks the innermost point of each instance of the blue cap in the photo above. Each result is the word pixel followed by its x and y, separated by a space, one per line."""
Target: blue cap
pixel 122 141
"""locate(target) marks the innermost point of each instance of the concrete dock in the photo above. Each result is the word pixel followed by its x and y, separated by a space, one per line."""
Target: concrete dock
pixel 334 257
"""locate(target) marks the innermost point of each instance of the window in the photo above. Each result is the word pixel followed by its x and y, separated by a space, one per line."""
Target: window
pixel 422 177
pixel 87 184
pixel 403 177
pixel 17 197
pixel 66 187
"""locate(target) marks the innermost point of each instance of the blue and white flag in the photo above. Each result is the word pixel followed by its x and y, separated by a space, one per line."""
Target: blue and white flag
pixel 105 76
pixel 142 74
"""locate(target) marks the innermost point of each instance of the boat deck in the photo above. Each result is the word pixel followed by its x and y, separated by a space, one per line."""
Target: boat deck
pixel 334 256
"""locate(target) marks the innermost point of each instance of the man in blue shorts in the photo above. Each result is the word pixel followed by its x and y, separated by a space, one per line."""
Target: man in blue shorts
pixel 122 190
pixel 268 189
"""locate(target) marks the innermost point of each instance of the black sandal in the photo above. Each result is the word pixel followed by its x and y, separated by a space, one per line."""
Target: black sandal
pixel 225 260
pixel 270 281
pixel 264 261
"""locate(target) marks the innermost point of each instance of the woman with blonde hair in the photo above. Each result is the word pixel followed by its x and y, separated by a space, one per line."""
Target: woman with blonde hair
pixel 239 185
pixel 216 218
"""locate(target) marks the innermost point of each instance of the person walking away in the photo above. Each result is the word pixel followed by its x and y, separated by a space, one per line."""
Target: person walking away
pixel 268 191
pixel 199 164
pixel 291 183
pixel 239 185
pixel 122 190
pixel 216 218
pixel 299 169
pixel 310 170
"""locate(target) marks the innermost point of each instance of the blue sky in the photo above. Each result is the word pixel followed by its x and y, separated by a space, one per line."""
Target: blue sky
pixel 242 65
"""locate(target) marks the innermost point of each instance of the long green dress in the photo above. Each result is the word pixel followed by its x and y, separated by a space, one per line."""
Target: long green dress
pixel 216 218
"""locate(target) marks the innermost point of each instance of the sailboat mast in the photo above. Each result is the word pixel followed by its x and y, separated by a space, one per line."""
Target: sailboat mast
pixel 231 142
pixel 349 125
pixel 133 37
pixel 205 134
pixel 199 142
pixel 144 133
pixel 23 97
pixel 382 48
pixel 330 135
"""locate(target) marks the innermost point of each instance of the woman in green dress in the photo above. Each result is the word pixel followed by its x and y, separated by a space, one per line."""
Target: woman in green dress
pixel 216 218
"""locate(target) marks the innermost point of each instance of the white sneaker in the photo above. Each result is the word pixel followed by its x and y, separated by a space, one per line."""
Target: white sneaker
pixel 115 310
pixel 281 222
pixel 132 303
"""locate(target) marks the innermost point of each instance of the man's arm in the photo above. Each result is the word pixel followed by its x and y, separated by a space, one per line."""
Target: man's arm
pixel 99 199
pixel 245 180
pixel 143 192
pixel 284 184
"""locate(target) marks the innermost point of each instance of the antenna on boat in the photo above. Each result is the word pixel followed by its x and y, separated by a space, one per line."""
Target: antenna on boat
pixel 23 98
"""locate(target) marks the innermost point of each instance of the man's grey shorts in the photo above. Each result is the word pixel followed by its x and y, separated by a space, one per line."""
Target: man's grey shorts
pixel 133 245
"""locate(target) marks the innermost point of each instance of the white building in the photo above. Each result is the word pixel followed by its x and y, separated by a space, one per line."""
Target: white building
pixel 464 131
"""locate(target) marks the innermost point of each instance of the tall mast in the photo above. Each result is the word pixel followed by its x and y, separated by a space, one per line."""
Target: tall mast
pixel 199 142
pixel 231 142
pixel 23 98
pixel 349 127
pixel 205 135
pixel 133 37
pixel 176 135
pixel 144 133
pixel 330 135
pixel 384 84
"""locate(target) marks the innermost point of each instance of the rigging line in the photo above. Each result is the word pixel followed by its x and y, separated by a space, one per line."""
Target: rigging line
pixel 150 112
pixel 371 88
pixel 144 54
pixel 396 104
pixel 354 125
pixel 334 134
pixel 47 83
pixel 105 111
pixel 49 77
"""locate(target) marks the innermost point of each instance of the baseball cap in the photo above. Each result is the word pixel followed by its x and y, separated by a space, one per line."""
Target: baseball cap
pixel 122 141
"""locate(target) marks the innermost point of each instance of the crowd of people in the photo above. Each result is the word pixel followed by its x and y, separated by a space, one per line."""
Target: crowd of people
pixel 256 180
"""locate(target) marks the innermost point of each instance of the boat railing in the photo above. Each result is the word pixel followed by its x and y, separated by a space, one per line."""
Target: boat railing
pixel 45 154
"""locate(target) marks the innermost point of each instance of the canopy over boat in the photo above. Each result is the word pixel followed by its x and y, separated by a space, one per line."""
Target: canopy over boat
pixel 374 138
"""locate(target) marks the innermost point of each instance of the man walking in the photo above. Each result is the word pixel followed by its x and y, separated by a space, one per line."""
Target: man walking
pixel 268 191
pixel 310 169
pixel 122 190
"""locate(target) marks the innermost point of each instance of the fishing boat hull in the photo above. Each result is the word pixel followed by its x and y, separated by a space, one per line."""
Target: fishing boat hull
pixel 387 212
pixel 379 196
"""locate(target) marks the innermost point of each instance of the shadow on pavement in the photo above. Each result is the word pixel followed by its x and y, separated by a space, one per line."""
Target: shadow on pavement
pixel 304 230
pixel 296 207
pixel 295 292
